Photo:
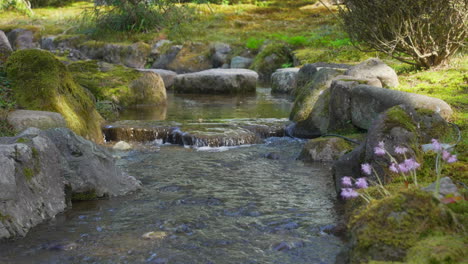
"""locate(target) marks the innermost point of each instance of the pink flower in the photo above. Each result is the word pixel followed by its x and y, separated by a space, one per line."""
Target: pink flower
pixel 381 145
pixel 411 164
pixel 400 150
pixel 445 155
pixel 348 193
pixel 379 151
pixel 366 168
pixel 346 181
pixel 436 145
pixel 452 159
pixel 403 168
pixel 393 167
pixel 361 183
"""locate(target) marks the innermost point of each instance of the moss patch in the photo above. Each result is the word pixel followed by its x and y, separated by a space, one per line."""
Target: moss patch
pixel 41 82
pixel 271 58
pixel 85 196
pixel 28 173
pixel 439 249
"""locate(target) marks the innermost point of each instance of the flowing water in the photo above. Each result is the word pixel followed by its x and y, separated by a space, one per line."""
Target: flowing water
pixel 201 205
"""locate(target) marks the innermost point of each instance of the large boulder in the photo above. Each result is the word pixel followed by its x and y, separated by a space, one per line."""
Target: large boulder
pixel 42 171
pixel 239 62
pixel 305 75
pixel 167 76
pixel 375 68
pixel 117 83
pixel 284 80
pixel 271 57
pixel 325 149
pixel 22 119
pixel 148 89
pixel 5 48
pixel 192 57
pixel 41 82
pixel 217 81
pixel 23 39
pixel 365 102
pixel 311 106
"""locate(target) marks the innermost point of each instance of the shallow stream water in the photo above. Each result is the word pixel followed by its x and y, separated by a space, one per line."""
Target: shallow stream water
pixel 206 205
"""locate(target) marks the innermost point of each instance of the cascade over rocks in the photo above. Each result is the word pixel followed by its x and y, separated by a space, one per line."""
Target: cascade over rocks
pixel 43 170
pixel 217 81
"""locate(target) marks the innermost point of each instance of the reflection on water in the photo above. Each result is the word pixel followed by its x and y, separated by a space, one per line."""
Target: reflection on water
pixel 195 106
pixel 234 206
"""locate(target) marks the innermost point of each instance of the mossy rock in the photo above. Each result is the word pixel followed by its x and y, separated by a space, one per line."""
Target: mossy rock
pixel 119 84
pixel 387 228
pixel 440 250
pixel 41 82
pixel 193 57
pixel 272 57
pixel 325 149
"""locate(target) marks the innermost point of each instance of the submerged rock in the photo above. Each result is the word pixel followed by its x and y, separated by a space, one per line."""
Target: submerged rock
pixel 217 81
pixel 41 82
pixel 122 145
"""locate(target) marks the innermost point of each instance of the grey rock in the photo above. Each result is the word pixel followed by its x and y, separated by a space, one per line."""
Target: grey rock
pixel 5 47
pixel 122 145
pixel 325 149
pixel 148 89
pixel 22 39
pixel 134 55
pixel 306 74
pixel 7 178
pixel 239 62
pixel 217 81
pixel 284 80
pixel 336 66
pixel 375 68
pixel 446 187
pixel 165 59
pixel 167 76
pixel 220 54
pixel 48 43
pixel 22 119
pixel 348 165
pixel 156 48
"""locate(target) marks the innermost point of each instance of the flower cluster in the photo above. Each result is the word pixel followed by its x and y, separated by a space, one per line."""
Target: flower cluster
pixel 442 155
pixel 349 192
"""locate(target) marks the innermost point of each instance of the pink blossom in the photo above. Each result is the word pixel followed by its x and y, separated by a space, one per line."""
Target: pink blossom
pixel 393 167
pixel 408 165
pixel 346 181
pixel 379 151
pixel 381 145
pixel 366 168
pixel 403 168
pixel 400 150
pixel 436 145
pixel 348 193
pixel 452 159
pixel 445 155
pixel 361 183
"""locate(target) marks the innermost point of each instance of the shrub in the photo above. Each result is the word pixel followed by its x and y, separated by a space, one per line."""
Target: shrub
pixel 419 32
pixel 22 6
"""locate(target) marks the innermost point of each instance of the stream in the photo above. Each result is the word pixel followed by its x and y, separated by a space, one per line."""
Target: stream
pixel 200 204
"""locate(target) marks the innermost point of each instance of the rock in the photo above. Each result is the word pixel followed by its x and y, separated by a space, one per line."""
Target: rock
pixel 271 57
pixel 325 149
pixel 375 68
pixel 167 76
pixel 192 57
pixel 367 102
pixel 167 57
pixel 221 52
pixel 273 156
pixel 22 119
pixel 47 167
pixel 92 172
pixel 122 145
pixel 446 187
pixel 305 75
pixel 239 62
pixel 109 110
pixel 133 56
pixel 5 48
pixel 41 82
pixel 48 43
pixel 22 39
pixel 311 107
pixel 348 165
pixel 217 81
pixel 148 89
pixel 157 48
pixel 336 66
pixel 284 80
pixel 158 235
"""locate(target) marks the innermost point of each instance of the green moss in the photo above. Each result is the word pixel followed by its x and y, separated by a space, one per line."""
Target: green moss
pixel 397 117
pixel 41 82
pixel 85 196
pixel 271 58
pixel 387 228
pixel 439 250
pixel 28 173
pixel 23 140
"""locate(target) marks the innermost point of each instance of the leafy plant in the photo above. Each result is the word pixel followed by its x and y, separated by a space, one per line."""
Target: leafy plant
pixel 22 6
pixel 254 43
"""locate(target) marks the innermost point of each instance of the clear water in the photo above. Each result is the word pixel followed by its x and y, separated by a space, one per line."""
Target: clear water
pixel 228 205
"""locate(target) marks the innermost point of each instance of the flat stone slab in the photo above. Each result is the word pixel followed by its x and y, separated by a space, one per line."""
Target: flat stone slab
pixel 217 81
pixel 22 119
pixel 167 76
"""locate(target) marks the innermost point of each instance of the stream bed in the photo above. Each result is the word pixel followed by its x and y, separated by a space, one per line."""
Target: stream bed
pixel 204 205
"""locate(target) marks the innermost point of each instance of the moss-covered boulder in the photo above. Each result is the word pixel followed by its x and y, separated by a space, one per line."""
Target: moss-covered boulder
pixel 387 228
pixel 325 149
pixel 272 57
pixel 192 57
pixel 41 82
pixel 119 84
